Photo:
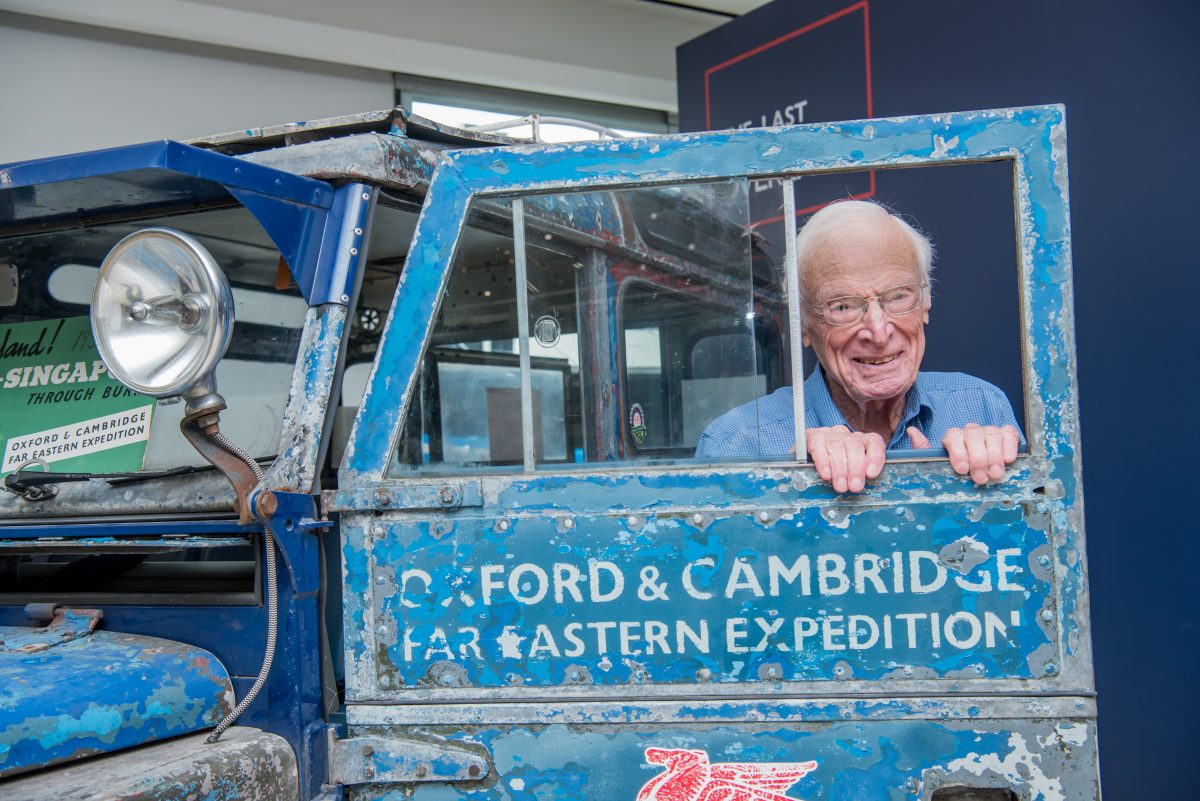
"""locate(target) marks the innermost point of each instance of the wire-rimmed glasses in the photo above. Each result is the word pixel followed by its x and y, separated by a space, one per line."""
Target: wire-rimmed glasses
pixel 895 302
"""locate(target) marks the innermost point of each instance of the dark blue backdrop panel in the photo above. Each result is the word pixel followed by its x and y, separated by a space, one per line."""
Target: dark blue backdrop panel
pixel 1128 74
pixel 786 70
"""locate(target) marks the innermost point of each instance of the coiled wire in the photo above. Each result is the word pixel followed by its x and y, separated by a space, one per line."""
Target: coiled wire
pixel 272 599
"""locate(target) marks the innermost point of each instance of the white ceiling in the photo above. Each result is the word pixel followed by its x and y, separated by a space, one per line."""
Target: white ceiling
pixel 618 51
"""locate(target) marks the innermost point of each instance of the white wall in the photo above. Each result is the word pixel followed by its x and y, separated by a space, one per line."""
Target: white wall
pixel 65 88
pixel 76 74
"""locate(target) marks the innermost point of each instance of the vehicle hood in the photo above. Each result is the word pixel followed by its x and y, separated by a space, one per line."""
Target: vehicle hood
pixel 68 692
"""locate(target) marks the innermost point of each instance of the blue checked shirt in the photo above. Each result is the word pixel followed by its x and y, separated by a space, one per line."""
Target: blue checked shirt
pixel 937 402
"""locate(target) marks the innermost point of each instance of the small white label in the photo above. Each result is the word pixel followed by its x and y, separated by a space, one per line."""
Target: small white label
pixel 79 439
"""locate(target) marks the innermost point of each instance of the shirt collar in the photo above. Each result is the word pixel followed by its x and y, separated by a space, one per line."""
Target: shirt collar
pixel 820 411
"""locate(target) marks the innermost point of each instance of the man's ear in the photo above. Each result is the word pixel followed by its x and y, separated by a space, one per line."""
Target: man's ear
pixel 805 338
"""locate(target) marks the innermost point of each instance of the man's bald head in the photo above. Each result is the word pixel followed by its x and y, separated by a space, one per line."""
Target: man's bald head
pixel 846 218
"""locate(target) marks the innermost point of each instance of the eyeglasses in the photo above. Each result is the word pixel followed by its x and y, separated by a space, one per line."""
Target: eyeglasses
pixel 897 301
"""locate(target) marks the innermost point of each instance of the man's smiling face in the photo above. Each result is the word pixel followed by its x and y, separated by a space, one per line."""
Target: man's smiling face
pixel 876 358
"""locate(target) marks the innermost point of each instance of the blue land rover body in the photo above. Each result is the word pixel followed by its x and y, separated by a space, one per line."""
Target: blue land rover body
pixel 459 407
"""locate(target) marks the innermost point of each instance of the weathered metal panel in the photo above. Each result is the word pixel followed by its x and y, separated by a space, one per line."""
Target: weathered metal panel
pixel 401 124
pixel 195 493
pixel 1045 483
pixel 449 494
pixel 244 765
pixel 387 160
pixel 449 611
pixel 100 693
pixel 904 593
pixel 844 760
pixel 293 133
pixel 67 625
pixel 388 758
pixel 410 321
pixel 295 469
pixel 415 586
pixel 792 709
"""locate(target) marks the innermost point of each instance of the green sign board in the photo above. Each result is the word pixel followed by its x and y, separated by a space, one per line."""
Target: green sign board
pixel 59 404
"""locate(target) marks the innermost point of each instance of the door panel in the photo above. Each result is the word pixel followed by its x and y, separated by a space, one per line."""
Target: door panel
pixel 590 612
pixel 892 760
pixel 580 601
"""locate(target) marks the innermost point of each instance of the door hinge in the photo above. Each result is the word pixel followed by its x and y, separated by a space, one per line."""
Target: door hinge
pixel 66 624
pixel 405 496
pixel 377 759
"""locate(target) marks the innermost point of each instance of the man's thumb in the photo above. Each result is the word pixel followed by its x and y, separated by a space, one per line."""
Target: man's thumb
pixel 919 440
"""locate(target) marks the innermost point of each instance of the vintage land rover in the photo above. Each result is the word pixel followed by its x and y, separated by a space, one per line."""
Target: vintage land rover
pixel 378 439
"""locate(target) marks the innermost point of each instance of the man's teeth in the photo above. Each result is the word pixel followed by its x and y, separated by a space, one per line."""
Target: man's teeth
pixel 880 360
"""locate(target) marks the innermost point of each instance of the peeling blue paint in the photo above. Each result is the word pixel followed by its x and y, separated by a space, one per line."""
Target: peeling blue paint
pixel 102 693
pixel 435 626
pixel 892 760
pixel 728 572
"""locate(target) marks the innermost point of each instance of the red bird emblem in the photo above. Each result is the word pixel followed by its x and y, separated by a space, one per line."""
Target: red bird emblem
pixel 691 777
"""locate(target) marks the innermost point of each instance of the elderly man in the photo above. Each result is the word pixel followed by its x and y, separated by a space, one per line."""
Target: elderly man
pixel 864 277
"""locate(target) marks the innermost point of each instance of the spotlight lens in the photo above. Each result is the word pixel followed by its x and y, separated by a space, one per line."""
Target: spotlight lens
pixel 162 312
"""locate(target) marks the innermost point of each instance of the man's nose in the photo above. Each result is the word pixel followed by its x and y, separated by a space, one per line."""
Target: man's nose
pixel 875 320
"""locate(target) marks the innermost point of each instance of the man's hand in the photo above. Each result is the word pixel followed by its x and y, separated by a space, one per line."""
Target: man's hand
pixel 845 458
pixel 981 452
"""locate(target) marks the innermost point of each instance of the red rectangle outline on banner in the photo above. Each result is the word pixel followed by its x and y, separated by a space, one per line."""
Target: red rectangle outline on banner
pixel 708 73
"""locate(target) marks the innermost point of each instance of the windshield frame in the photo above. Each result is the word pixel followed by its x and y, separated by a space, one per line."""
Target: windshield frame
pixel 334 257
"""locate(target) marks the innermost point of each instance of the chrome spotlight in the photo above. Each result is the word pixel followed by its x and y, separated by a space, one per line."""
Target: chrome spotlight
pixel 162 315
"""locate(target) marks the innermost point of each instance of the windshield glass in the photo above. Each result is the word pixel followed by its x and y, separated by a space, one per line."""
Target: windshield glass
pixel 58 404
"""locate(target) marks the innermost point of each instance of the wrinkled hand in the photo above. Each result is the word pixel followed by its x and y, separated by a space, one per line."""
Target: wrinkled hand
pixel 981 452
pixel 845 458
